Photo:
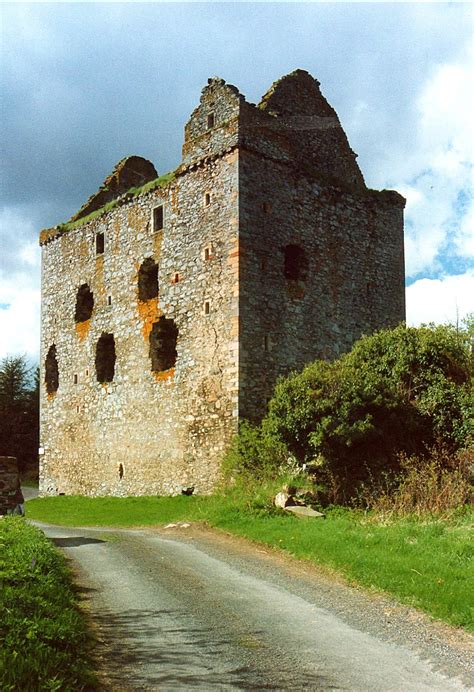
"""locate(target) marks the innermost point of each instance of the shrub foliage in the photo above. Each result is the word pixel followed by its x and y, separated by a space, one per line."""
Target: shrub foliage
pixel 400 391
pixel 44 639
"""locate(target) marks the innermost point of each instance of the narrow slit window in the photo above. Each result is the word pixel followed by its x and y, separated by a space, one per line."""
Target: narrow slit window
pixel 207 199
pixel 210 121
pixel 109 300
pixel 176 278
pixel 75 379
pixel 99 244
pixel 207 253
pixel 207 307
pixel 158 218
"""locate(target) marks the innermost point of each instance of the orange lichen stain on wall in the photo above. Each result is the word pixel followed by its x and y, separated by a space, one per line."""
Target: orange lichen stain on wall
pixel 174 194
pixel 163 375
pixel 149 314
pixel 99 275
pixel 50 396
pixel 137 218
pixel 82 329
pixel 157 240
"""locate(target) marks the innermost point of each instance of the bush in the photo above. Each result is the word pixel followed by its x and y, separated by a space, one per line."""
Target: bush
pixel 401 391
pixel 439 485
pixel 44 639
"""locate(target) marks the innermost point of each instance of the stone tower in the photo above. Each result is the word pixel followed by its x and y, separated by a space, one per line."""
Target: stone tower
pixel 171 304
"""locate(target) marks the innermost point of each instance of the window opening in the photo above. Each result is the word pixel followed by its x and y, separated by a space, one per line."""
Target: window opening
pixel 207 199
pixel 210 121
pixel 158 218
pixel 207 307
pixel 295 264
pixel 75 379
pixel 148 280
pixel 207 253
pixel 109 300
pixel 176 278
pixel 120 471
pixel 99 244
pixel 51 374
pixel 87 373
pixel 84 304
pixel 105 358
pixel 163 338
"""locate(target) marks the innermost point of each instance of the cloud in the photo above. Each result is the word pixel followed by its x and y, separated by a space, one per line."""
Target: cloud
pixel 437 177
pixel 19 315
pixel 80 92
pixel 445 300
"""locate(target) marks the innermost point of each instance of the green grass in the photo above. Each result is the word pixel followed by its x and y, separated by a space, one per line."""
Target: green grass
pixel 44 639
pixel 425 562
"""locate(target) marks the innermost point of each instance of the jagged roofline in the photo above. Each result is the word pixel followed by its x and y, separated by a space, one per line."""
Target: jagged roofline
pixel 131 171
pixel 277 99
pixel 281 100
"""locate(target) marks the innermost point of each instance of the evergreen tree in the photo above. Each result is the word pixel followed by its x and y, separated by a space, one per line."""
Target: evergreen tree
pixel 19 412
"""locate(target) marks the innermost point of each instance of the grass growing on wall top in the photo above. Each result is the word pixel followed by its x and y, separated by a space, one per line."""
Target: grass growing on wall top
pixel 133 192
pixel 425 561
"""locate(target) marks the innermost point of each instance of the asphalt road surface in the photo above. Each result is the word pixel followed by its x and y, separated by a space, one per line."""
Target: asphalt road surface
pixel 192 609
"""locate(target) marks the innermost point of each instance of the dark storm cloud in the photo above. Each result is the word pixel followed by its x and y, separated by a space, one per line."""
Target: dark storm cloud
pixel 86 84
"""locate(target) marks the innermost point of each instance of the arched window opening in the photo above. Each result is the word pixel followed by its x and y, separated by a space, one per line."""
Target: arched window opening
pixel 163 337
pixel 105 358
pixel 84 304
pixel 51 376
pixel 148 280
pixel 295 263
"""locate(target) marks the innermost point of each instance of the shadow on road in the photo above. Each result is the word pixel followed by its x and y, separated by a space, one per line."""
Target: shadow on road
pixel 150 648
pixel 75 541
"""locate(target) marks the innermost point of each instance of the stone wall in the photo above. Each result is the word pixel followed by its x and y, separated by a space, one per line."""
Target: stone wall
pixel 269 251
pixel 10 492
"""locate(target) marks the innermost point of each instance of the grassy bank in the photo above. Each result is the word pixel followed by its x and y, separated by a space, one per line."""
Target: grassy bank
pixel 425 562
pixel 44 639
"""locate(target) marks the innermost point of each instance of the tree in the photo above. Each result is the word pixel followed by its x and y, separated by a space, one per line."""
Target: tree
pixel 19 412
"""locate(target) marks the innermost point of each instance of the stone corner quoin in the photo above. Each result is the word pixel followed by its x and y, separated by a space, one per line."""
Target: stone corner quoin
pixel 171 304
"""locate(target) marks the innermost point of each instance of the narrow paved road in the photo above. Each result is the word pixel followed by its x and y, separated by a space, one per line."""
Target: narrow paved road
pixel 187 608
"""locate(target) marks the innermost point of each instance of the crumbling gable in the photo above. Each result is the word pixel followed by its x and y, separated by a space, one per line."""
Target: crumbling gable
pixel 130 172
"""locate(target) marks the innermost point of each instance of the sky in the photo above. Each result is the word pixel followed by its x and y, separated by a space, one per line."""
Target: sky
pixel 85 84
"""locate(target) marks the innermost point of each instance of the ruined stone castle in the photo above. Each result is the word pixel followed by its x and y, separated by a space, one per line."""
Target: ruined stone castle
pixel 172 304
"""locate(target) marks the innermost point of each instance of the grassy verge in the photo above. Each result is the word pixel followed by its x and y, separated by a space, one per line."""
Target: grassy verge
pixel 425 562
pixel 44 639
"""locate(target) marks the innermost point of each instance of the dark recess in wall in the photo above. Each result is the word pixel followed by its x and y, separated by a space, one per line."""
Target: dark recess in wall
pixel 84 304
pixel 163 337
pixel 105 358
